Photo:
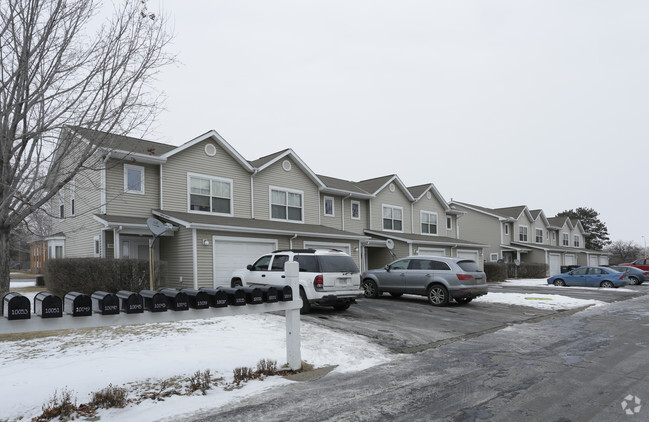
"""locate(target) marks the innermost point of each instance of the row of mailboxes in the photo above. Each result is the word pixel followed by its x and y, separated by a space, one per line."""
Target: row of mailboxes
pixel 47 305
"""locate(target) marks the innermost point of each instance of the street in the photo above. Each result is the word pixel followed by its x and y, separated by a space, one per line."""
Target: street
pixel 479 362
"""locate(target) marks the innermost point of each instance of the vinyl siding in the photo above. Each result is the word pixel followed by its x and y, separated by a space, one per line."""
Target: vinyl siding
pixel 538 224
pixel 177 252
pixel 431 205
pixel 523 221
pixel 295 179
pixel 483 229
pixel 352 225
pixel 396 198
pixel 128 204
pixel 334 221
pixel 195 160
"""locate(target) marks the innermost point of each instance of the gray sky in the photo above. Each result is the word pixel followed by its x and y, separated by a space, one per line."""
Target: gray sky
pixel 498 103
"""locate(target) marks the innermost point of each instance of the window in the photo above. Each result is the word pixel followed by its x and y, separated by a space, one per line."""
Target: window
pixel 428 223
pixel 554 236
pixel 210 194
pixel 61 204
pixel 506 229
pixel 329 206
pixel 356 210
pixel 392 218
pixel 565 239
pixel 285 204
pixel 522 233
pixel 72 198
pixel 493 257
pixel 133 179
pixel 278 262
pixel 262 263
pixel 539 235
pixel 400 265
pixel 576 240
pixel 438 265
pixel 97 243
pixel 449 222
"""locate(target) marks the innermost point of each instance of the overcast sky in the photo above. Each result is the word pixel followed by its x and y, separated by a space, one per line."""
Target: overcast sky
pixel 498 103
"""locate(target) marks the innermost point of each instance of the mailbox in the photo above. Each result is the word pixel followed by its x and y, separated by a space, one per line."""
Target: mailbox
pixel 268 293
pixel 284 293
pixel 254 296
pixel 105 303
pixel 176 301
pixel 218 298
pixel 154 301
pixel 236 295
pixel 130 302
pixel 77 304
pixel 198 299
pixel 16 306
pixel 47 305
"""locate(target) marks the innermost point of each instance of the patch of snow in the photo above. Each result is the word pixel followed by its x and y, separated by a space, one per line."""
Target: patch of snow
pixel 541 301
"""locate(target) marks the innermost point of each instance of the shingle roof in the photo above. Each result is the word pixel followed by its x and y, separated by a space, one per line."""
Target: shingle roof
pixel 513 212
pixel 259 162
pixel 344 185
pixel 123 143
pixel 373 185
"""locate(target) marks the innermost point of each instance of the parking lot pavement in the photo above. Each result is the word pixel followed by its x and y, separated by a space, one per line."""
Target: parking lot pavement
pixel 411 324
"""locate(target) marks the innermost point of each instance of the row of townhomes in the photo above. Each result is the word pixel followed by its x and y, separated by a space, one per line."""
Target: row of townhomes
pixel 222 211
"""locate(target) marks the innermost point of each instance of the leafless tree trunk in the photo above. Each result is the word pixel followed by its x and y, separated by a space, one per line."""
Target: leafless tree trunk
pixel 55 74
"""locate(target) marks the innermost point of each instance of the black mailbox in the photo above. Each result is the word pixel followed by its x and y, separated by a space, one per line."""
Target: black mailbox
pixel 254 296
pixel 130 302
pixel 176 301
pixel 284 293
pixel 268 293
pixel 16 306
pixel 77 304
pixel 47 305
pixel 154 301
pixel 218 298
pixel 236 295
pixel 105 303
pixel 198 299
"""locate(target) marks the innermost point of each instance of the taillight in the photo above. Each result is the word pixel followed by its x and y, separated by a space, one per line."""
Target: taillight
pixel 318 282
pixel 645 273
pixel 623 276
pixel 464 277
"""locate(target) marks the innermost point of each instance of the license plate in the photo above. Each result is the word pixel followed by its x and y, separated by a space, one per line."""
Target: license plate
pixel 343 281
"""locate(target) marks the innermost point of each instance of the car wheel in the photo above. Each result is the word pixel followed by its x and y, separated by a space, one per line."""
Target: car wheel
pixel 634 280
pixel 394 294
pixel 437 295
pixel 607 284
pixel 558 282
pixel 306 306
pixel 342 306
pixel 464 300
pixel 236 282
pixel 371 289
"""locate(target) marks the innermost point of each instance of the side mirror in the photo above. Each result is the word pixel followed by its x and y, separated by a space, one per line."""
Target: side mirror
pixel 249 267
pixel 387 268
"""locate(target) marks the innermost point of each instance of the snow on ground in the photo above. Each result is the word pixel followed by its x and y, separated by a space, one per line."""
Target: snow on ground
pixel 534 300
pixel 543 282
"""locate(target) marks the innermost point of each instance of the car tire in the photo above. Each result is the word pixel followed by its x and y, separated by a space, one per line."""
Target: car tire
pixel 559 283
pixel 370 288
pixel 464 300
pixel 342 306
pixel 306 306
pixel 395 294
pixel 236 282
pixel 437 295
pixel 634 280
pixel 607 284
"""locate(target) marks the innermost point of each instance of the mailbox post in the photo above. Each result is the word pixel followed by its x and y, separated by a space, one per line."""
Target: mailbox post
pixel 293 352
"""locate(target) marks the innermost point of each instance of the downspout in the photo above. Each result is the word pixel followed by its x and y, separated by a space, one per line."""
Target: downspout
pixel 452 248
pixel 194 259
pixel 290 241
pixel 342 211
pixel 161 190
pixel 103 184
pixel 412 219
pixel 252 193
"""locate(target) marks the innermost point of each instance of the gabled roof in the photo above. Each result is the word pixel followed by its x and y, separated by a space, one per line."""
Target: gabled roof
pixel 559 222
pixel 376 185
pixel 487 211
pixel 263 163
pixel 345 187
pixel 124 147
pixel 515 212
pixel 426 240
pixel 536 214
pixel 218 139
pixel 419 191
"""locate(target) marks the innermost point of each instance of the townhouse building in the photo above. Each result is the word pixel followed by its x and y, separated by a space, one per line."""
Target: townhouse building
pixel 518 233
pixel 223 211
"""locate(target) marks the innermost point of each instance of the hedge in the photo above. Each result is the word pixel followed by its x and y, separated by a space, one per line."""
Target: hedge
pixel 88 275
pixel 501 272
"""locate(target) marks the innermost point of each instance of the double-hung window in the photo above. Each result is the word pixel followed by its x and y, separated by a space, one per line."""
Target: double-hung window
pixel 133 179
pixel 356 210
pixel 61 204
pixel 428 223
pixel 72 198
pixel 576 240
pixel 392 218
pixel 286 204
pixel 522 233
pixel 329 206
pixel 539 235
pixel 565 241
pixel 210 194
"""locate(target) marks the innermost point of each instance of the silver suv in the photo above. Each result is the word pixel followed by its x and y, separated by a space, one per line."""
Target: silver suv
pixel 327 277
pixel 440 279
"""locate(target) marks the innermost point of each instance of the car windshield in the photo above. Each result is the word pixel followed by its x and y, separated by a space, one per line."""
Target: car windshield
pixel 469 266
pixel 337 264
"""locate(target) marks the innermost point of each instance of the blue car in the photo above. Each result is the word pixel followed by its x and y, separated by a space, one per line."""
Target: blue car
pixel 591 277
pixel 635 275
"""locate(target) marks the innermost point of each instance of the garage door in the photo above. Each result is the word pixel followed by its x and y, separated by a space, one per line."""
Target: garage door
pixel 603 260
pixel 234 253
pixel 555 264
pixel 593 260
pixel 473 255
pixel 431 252
pixel 345 247
pixel 571 260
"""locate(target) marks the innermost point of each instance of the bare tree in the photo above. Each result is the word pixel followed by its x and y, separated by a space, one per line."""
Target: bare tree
pixel 622 251
pixel 56 75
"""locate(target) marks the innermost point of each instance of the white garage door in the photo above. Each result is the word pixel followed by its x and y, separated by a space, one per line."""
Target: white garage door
pixel 473 255
pixel 231 253
pixel 555 264
pixel 593 261
pixel 571 260
pixel 431 252
pixel 345 247
pixel 603 260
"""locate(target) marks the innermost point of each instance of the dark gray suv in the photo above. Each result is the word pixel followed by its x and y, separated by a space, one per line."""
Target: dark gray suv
pixel 440 279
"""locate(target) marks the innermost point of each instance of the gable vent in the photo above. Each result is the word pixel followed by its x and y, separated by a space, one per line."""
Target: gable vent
pixel 210 150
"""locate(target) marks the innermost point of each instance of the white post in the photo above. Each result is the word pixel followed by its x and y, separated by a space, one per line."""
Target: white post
pixel 293 352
